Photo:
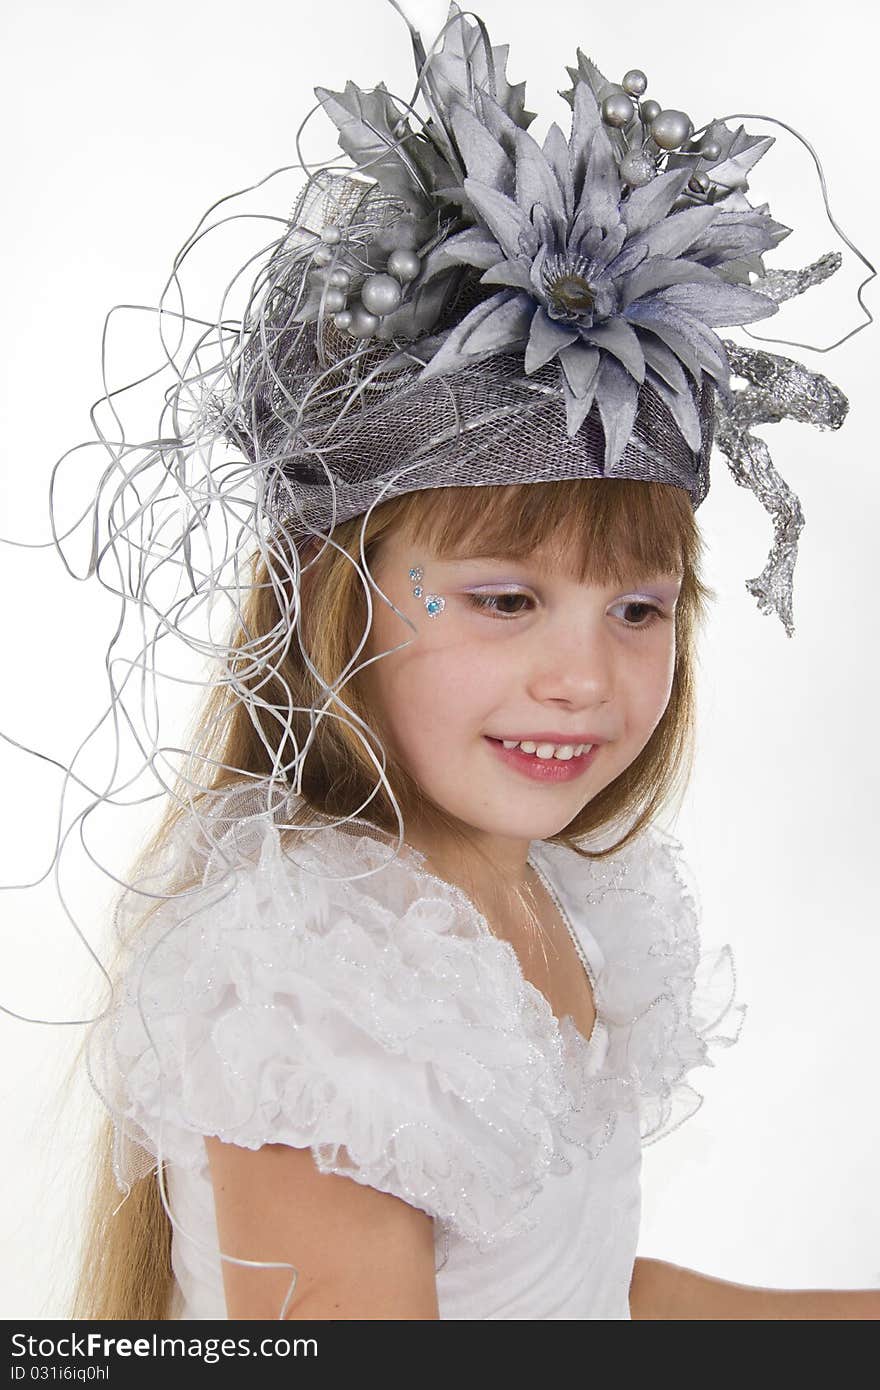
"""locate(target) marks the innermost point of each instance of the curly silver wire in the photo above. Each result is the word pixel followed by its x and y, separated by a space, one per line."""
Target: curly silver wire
pixel 869 317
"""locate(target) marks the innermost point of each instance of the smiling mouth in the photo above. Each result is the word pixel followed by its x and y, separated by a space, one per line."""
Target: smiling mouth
pixel 541 768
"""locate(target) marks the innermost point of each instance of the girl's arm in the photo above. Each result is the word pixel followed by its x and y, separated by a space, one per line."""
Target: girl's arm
pixel 361 1253
pixel 662 1290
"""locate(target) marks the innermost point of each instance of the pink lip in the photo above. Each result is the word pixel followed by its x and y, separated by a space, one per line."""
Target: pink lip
pixel 543 769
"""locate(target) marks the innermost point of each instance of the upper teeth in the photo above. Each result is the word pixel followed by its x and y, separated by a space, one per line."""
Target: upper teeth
pixel 563 751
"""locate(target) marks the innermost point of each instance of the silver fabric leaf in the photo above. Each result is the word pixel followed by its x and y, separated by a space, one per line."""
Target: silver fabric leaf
pixel 779 389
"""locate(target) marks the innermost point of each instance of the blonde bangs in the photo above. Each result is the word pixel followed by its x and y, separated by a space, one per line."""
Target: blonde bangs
pixel 603 530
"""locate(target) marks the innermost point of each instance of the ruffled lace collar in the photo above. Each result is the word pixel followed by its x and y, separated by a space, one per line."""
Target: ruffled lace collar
pixel 405 958
pixel 661 1003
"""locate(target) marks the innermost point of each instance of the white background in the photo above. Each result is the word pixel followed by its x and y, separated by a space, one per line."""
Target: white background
pixel 123 123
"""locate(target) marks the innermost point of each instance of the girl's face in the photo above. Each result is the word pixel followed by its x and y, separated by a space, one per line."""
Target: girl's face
pixel 520 649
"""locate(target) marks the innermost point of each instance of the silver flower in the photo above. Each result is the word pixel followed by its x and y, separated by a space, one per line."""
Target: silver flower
pixel 620 284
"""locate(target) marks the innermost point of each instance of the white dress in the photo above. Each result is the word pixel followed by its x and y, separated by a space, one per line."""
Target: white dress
pixel 378 1021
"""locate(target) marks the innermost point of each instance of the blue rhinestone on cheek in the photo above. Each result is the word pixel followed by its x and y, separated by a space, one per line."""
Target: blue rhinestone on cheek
pixel 434 603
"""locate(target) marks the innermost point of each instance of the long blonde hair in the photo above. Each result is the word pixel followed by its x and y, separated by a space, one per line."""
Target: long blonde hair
pixel 610 526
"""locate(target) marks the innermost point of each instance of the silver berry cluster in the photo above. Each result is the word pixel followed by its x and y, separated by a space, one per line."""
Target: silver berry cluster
pixel 663 129
pixel 380 293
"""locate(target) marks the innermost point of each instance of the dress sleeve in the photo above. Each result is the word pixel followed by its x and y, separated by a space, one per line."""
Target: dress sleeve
pixel 383 1031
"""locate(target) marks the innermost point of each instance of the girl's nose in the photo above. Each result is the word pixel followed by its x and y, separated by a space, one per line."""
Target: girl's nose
pixel 574 666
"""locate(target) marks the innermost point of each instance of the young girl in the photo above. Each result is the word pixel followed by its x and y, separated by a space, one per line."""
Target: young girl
pixel 470 1029
pixel 410 972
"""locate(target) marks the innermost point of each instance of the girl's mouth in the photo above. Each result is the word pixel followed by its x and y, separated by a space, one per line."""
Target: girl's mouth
pixel 543 769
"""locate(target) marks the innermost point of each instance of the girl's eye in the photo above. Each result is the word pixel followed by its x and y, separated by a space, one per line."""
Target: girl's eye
pixel 489 603
pixel 654 613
